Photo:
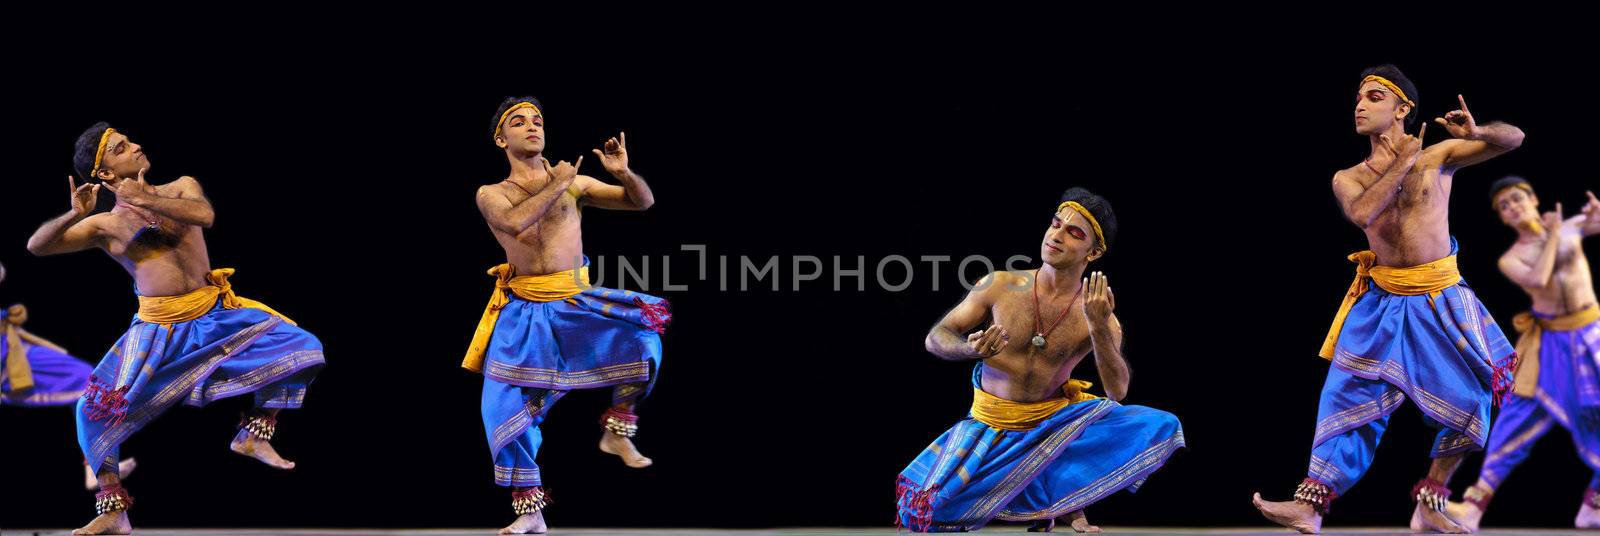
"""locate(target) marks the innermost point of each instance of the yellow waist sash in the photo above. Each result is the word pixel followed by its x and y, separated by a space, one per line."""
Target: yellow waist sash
pixel 1424 279
pixel 18 370
pixel 535 288
pixel 1531 329
pixel 169 310
pixel 1002 414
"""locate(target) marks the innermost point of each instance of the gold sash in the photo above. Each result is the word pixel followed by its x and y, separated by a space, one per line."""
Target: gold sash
pixel 169 310
pixel 18 370
pixel 1531 329
pixel 1002 414
pixel 1425 279
pixel 535 288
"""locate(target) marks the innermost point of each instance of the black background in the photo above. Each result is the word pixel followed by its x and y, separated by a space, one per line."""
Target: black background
pixel 342 164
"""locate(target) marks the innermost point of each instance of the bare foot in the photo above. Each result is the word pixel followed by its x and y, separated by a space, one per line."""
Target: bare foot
pixel 1428 520
pixel 1080 523
pixel 623 447
pixel 252 446
pixel 1293 514
pixel 1466 514
pixel 109 523
pixel 1588 517
pixel 527 524
pixel 124 469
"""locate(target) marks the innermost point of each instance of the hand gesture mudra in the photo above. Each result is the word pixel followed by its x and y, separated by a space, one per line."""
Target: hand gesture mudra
pixel 989 342
pixel 1460 122
pixel 1406 150
pixel 83 196
pixel 615 155
pixel 1553 220
pixel 1098 301
pixel 563 173
pixel 134 191
pixel 1591 215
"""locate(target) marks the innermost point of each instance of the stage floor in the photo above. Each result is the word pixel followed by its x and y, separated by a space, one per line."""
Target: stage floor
pixel 1149 531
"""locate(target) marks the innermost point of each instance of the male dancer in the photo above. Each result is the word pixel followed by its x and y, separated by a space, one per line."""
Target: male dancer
pixel 1036 446
pixel 1421 333
pixel 40 373
pixel 1556 380
pixel 554 332
pixel 193 340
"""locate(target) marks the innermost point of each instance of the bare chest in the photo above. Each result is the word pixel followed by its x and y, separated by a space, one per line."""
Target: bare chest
pixel 1060 325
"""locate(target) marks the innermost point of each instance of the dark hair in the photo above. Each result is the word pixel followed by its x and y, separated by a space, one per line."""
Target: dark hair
pixel 494 129
pixel 84 149
pixel 1099 208
pixel 1507 182
pixel 1393 74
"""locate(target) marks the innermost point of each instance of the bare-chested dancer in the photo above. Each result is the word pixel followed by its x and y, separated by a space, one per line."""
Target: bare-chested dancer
pixel 193 341
pixel 546 331
pixel 1556 381
pixel 1409 327
pixel 1036 446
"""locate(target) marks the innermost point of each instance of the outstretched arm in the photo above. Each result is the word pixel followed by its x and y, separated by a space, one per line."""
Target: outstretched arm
pixel 946 339
pixel 633 194
pixel 72 231
pixel 1587 222
pixel 1475 143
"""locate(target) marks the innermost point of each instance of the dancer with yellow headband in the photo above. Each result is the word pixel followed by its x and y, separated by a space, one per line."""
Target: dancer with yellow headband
pixel 1409 327
pixel 546 330
pixel 193 341
pixel 1557 379
pixel 1036 446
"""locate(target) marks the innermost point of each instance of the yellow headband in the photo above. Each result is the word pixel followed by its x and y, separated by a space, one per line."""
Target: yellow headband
pixel 1523 185
pixel 1386 83
pixel 1098 235
pixel 519 106
pixel 100 152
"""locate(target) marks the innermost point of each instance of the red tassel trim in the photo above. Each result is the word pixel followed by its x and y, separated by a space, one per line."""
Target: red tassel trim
pixel 1591 498
pixel 102 403
pixel 1502 382
pixel 916 504
pixel 656 315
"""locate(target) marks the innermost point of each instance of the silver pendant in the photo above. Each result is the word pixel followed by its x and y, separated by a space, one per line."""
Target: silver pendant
pixel 1038 341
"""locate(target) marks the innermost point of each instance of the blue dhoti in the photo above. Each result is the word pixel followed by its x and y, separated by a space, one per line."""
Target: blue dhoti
pixel 1422 334
pixel 1088 449
pixel 550 335
pixel 48 376
pixel 1556 384
pixel 235 347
